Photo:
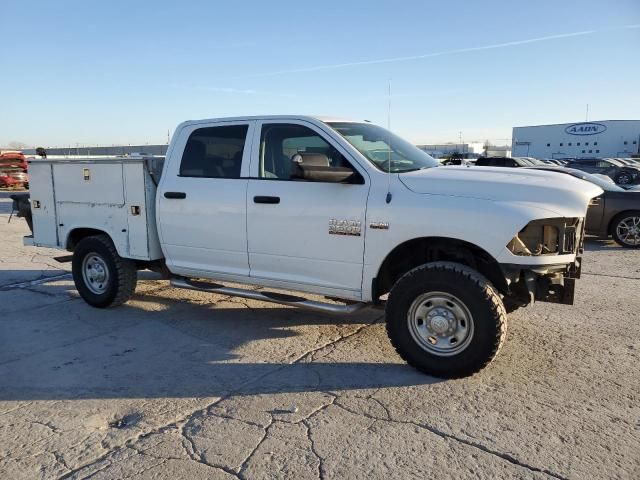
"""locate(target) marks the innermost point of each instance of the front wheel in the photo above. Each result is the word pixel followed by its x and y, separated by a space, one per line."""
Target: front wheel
pixel 446 319
pixel 625 229
pixel 102 277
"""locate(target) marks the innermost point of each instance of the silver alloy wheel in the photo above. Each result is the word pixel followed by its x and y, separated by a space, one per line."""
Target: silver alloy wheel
pixel 624 178
pixel 628 230
pixel 440 323
pixel 95 273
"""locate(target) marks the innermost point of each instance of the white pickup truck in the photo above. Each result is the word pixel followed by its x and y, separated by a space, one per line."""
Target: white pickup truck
pixel 343 209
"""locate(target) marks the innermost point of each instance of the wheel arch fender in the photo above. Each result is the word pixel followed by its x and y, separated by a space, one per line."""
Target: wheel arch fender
pixel 77 234
pixel 418 251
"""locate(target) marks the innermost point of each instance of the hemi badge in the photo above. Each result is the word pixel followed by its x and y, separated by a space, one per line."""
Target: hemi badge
pixel 379 225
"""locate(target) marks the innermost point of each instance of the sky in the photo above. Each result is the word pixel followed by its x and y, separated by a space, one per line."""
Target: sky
pixel 127 72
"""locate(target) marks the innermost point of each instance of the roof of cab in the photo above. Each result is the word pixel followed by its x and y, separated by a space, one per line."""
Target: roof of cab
pixel 312 118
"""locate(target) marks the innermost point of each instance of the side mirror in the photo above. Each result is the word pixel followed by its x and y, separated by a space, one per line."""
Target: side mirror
pixel 318 170
pixel 317 173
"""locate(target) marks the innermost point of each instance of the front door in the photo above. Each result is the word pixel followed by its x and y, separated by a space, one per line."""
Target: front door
pixel 202 200
pixel 304 232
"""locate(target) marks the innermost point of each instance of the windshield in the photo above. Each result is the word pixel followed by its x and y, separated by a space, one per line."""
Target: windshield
pixel 384 149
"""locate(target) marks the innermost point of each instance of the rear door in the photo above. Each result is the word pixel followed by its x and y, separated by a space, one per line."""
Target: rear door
pixel 202 200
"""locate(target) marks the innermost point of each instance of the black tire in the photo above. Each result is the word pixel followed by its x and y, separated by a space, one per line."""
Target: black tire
pixel 624 178
pixel 122 273
pixel 614 228
pixel 474 292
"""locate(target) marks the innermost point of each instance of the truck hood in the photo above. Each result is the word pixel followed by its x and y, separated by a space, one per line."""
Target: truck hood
pixel 559 193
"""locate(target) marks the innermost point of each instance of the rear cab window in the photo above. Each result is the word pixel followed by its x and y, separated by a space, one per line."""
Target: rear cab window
pixel 214 152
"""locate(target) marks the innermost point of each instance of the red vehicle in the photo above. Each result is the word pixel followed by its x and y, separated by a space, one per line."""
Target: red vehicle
pixel 13 170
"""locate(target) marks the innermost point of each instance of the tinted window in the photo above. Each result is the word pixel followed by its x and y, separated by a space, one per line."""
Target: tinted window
pixel 214 152
pixel 280 142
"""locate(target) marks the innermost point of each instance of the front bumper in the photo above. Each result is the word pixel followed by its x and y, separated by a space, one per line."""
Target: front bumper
pixel 544 283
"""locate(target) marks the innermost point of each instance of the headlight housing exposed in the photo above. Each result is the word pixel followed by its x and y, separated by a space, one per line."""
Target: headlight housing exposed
pixel 548 236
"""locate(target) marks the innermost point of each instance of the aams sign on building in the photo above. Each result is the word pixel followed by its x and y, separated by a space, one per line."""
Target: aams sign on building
pixel 606 138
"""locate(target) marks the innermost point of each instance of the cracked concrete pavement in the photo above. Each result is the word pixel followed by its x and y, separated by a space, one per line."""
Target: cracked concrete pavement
pixel 181 384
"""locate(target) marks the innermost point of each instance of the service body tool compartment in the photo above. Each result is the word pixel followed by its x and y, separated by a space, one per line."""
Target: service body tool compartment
pixel 43 205
pixel 115 196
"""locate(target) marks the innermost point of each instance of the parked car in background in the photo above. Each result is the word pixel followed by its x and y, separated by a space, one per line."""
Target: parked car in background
pixel 555 161
pixel 458 161
pixel 501 162
pixel 513 162
pixel 613 168
pixel 632 162
pixel 534 161
pixel 13 170
pixel 615 213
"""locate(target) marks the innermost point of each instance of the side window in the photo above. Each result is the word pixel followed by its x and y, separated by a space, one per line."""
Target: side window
pixel 281 142
pixel 603 164
pixel 214 152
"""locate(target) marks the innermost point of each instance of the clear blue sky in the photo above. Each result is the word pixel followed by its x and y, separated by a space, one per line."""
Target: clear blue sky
pixel 120 72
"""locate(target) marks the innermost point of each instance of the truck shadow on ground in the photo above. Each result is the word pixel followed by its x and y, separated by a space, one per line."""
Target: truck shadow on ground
pixel 161 345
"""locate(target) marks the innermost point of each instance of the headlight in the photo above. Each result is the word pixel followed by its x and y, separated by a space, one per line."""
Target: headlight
pixel 548 236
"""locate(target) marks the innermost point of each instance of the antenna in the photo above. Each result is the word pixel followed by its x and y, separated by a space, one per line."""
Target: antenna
pixel 389 154
pixel 587 116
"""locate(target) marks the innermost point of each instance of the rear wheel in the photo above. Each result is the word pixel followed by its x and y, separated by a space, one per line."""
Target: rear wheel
pixel 625 229
pixel 102 277
pixel 446 319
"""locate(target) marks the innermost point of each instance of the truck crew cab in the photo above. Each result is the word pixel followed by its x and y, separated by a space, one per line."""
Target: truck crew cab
pixel 338 208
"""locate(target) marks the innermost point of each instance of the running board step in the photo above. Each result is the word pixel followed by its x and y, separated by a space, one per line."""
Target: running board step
pixel 272 297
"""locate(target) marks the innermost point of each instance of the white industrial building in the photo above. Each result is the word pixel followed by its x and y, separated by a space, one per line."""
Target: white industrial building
pixel 605 138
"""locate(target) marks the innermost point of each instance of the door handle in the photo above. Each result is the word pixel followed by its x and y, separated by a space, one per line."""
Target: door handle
pixel 266 199
pixel 175 195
